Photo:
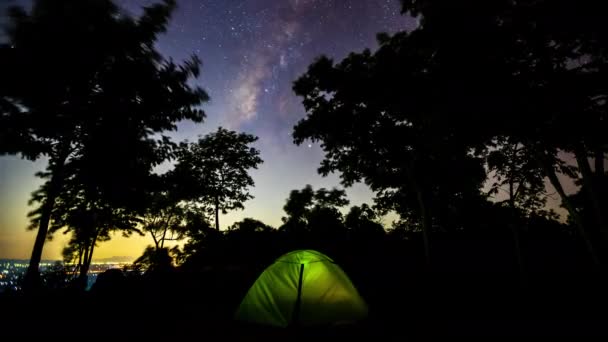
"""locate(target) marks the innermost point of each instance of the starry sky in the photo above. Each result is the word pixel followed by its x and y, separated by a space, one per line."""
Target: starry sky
pixel 252 51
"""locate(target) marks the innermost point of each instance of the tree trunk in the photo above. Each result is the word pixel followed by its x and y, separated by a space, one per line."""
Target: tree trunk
pixel 86 265
pixel 590 184
pixel 518 254
pixel 427 223
pixel 154 238
pixel 90 258
pixel 80 253
pixel 515 231
pixel 81 281
pixel 32 281
pixel 162 239
pixel 578 221
pixel 217 213
pixel 79 265
pixel 599 163
pixel 427 220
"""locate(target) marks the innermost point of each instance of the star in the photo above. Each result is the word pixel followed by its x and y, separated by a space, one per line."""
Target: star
pixel 252 52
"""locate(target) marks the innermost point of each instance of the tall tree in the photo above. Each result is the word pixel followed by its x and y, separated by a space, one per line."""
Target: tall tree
pixel 429 100
pixel 164 217
pixel 218 169
pixel 518 178
pixel 73 71
pixel 89 209
pixel 164 221
pixel 521 180
pixel 378 122
pixel 550 80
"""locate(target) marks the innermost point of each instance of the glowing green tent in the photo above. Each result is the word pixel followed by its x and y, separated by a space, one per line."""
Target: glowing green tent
pixel 303 287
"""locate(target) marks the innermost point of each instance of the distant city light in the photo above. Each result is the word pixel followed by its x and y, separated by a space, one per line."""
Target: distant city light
pixel 12 271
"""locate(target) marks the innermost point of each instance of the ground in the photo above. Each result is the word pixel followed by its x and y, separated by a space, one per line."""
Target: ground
pixel 197 305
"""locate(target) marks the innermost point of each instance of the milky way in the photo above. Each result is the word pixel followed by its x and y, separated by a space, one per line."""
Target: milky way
pixel 252 51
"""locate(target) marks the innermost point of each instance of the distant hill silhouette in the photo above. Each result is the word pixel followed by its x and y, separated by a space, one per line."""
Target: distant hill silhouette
pixel 116 259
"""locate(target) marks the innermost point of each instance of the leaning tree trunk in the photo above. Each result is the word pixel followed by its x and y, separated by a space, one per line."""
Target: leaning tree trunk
pixel 576 217
pixel 79 265
pixel 32 281
pixel 156 242
pixel 86 265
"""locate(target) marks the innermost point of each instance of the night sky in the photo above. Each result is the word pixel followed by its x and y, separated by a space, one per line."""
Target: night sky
pixel 252 51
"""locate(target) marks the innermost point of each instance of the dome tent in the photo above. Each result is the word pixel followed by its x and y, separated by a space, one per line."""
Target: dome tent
pixel 305 288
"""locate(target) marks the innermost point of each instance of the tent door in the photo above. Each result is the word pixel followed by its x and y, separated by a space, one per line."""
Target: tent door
pixel 295 317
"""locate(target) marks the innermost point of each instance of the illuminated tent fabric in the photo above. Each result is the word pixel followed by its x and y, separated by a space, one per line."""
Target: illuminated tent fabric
pixel 302 287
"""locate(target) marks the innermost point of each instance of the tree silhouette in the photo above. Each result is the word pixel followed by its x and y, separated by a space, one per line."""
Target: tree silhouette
pixel 74 70
pixel 580 200
pixel 412 119
pixel 252 242
pixel 363 223
pixel 217 168
pixel 155 260
pixel 164 217
pixel 522 178
pixel 202 241
pixel 88 211
pixel 376 128
pixel 549 80
pixel 315 213
pixel 297 207
pixel 519 177
pixel 164 221
pixel 249 225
